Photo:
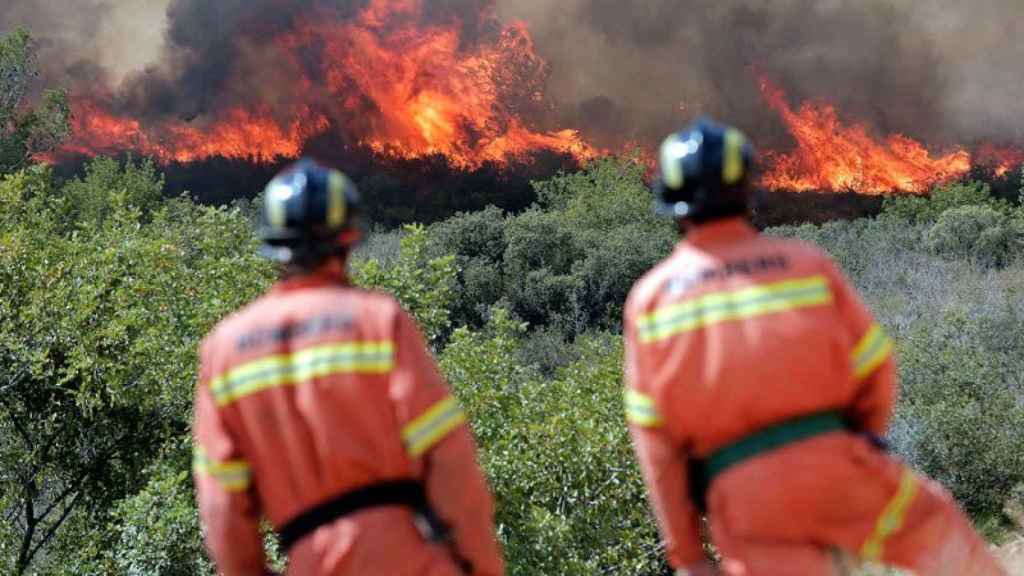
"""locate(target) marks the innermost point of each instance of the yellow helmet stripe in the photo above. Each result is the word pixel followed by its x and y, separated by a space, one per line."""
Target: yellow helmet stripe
pixel 276 196
pixel 671 168
pixel 336 208
pixel 732 160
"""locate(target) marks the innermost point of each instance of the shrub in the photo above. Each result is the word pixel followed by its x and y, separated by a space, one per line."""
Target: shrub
pixel 927 209
pixel 105 292
pixel 477 241
pixel 159 529
pixel 978 232
pixel 965 395
pixel 570 497
pixel 422 284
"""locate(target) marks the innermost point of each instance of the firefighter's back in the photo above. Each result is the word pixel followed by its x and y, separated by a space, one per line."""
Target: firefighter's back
pixel 302 378
pixel 742 328
pixel 758 381
pixel 746 332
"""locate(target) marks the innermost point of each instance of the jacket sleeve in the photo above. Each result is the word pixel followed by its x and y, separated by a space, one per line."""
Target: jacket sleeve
pixel 662 462
pixel 227 504
pixel 872 365
pixel 434 430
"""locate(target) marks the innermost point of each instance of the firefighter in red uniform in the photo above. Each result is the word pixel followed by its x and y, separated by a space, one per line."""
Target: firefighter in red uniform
pixel 758 386
pixel 320 409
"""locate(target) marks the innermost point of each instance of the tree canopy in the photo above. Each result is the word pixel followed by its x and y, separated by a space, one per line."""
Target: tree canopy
pixel 26 131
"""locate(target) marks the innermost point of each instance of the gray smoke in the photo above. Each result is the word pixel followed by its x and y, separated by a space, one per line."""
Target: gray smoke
pixel 944 70
pixel 947 71
pixel 96 40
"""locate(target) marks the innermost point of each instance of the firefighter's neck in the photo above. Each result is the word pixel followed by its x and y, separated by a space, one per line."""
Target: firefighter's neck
pixel 333 269
pixel 690 230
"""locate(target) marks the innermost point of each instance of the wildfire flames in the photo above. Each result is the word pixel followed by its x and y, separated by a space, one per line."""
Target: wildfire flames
pixel 404 89
pixel 240 134
pixel 830 156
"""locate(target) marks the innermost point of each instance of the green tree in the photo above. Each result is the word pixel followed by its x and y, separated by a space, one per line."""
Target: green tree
pixel 422 284
pixel 477 240
pixel 26 132
pixel 927 209
pixel 567 262
pixel 570 499
pixel 981 233
pixel 105 291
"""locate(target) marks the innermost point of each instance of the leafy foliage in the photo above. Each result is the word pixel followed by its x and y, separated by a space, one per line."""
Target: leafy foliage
pixel 926 209
pixel 106 287
pixel 422 284
pixel 25 132
pixel 570 498
pixel 107 290
pixel 567 262
pixel 978 232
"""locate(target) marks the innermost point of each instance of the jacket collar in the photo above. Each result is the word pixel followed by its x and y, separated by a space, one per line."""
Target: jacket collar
pixel 316 279
pixel 724 231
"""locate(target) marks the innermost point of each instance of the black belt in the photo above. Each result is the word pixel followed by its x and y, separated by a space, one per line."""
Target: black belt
pixel 407 493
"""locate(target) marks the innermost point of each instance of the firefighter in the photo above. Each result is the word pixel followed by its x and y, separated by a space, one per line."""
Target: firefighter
pixel 320 409
pixel 758 386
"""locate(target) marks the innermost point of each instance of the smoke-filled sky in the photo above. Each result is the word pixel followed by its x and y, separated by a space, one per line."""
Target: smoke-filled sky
pixel 943 70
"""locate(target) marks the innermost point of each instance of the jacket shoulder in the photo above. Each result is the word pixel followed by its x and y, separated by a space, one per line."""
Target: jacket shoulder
pixel 647 287
pixel 365 307
pixel 794 247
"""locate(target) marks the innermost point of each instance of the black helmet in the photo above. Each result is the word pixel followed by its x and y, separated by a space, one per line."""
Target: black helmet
pixel 704 173
pixel 309 213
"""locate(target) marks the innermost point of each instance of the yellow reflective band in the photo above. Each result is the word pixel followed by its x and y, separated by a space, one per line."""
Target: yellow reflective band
pixel 732 160
pixel 336 207
pixel 276 210
pixel 640 410
pixel 719 307
pixel 672 151
pixel 872 350
pixel 892 517
pixel 302 366
pixel 232 475
pixel 430 427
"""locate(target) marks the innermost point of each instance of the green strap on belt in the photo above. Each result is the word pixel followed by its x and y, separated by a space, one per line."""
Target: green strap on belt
pixel 703 472
pixel 771 438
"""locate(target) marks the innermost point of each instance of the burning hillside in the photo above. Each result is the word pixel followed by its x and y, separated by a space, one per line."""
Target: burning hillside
pixel 384 78
pixel 831 156
pixel 460 81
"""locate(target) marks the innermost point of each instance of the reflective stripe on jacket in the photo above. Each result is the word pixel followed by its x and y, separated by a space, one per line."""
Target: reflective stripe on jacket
pixel 730 334
pixel 317 389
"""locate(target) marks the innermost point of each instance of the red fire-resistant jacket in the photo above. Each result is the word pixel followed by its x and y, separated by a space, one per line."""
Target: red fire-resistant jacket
pixel 317 389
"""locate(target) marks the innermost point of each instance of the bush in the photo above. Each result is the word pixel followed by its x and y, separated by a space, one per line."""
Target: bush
pixel 568 262
pixel 963 390
pixel 477 241
pixel 105 292
pixel 927 209
pixel 570 499
pixel 422 284
pixel 159 529
pixel 981 233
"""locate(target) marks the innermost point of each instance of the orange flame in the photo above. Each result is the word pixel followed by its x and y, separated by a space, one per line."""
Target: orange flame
pixel 415 90
pixel 1000 160
pixel 831 156
pixel 430 96
pixel 239 134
